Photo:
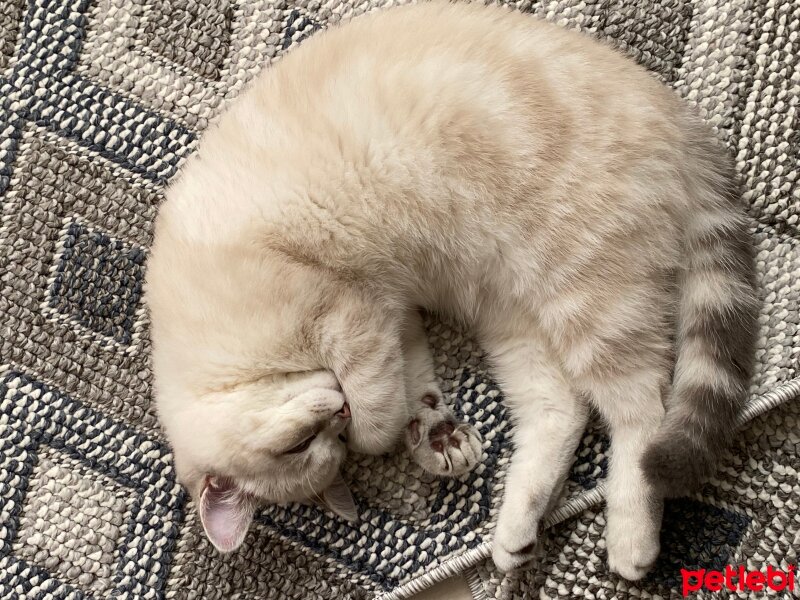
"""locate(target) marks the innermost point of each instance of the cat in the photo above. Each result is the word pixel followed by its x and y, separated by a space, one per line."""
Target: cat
pixel 478 163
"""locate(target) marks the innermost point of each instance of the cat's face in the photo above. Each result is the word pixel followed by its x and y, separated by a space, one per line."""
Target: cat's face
pixel 281 438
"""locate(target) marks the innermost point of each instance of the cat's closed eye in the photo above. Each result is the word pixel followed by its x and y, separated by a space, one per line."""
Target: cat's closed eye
pixel 302 446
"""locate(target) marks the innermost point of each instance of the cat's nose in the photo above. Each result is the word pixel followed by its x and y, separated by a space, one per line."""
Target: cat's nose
pixel 344 412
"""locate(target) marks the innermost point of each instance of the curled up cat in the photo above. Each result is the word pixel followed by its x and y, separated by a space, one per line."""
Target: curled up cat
pixel 478 163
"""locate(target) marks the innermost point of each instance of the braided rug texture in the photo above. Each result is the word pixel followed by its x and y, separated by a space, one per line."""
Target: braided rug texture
pixel 99 103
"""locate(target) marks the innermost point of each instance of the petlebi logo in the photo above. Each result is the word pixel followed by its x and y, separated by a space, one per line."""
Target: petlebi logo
pixel 738 579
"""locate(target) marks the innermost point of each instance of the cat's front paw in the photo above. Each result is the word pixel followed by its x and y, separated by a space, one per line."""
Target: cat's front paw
pixel 439 444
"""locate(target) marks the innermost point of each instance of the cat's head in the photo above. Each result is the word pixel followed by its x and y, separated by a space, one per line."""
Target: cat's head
pixel 250 410
pixel 278 439
pixel 255 352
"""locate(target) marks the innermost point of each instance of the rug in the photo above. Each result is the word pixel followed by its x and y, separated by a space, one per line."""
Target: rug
pixel 101 101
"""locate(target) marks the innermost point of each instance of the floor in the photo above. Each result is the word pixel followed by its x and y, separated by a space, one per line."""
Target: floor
pixel 452 589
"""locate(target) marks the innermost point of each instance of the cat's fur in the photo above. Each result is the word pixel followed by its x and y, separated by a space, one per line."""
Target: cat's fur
pixel 479 163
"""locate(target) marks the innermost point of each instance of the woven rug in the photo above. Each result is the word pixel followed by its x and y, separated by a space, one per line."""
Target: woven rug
pixel 99 104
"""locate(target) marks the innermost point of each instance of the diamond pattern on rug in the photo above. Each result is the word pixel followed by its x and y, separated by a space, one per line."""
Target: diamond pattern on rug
pixel 50 508
pixel 72 522
pixel 97 281
pixel 53 183
pixel 142 141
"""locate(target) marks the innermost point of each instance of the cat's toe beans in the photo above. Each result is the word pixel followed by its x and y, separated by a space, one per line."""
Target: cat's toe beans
pixel 451 449
pixel 441 431
pixel 464 449
pixel 430 400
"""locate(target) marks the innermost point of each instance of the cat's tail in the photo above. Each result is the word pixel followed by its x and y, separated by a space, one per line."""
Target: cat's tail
pixel 716 329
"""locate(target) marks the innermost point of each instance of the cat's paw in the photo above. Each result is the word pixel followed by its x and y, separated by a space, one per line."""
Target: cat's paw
pixel 438 443
pixel 516 537
pixel 633 546
pixel 516 559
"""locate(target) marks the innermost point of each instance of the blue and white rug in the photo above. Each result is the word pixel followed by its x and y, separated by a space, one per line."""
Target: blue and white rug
pixel 101 100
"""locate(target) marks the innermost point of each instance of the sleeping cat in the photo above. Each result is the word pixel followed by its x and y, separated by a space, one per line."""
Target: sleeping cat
pixel 478 163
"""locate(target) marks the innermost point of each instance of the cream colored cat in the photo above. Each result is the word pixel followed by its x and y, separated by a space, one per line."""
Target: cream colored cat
pixel 479 163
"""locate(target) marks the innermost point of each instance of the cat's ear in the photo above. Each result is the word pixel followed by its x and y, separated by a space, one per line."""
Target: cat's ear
pixel 226 513
pixel 338 499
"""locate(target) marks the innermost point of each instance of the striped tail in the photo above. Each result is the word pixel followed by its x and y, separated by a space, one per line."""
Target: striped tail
pixel 716 330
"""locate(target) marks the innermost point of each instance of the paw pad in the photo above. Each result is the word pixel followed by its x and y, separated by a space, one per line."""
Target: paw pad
pixel 452 448
pixel 441 436
pixel 430 400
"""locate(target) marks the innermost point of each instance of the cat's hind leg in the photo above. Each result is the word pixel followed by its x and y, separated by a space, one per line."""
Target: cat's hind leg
pixel 435 439
pixel 632 405
pixel 549 421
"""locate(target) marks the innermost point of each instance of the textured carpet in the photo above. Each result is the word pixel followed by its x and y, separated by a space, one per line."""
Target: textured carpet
pixel 99 103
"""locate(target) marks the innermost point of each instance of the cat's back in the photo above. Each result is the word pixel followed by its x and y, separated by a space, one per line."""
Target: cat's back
pixel 418 66
pixel 479 118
